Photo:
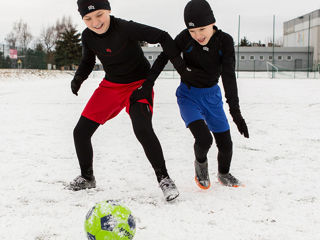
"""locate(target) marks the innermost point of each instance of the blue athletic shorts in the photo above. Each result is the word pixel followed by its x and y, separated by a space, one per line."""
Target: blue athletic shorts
pixel 202 103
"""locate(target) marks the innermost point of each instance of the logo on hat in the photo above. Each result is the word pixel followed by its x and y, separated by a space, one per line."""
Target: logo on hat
pixel 91 7
pixel 191 24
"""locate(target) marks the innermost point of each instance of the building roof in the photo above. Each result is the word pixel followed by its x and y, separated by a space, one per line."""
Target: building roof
pixel 288 26
pixel 247 49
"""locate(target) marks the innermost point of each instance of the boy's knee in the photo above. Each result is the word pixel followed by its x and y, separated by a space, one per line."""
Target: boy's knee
pixel 204 141
pixel 77 131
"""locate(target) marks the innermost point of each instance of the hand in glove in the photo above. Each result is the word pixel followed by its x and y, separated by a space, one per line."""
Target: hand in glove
pixel 240 122
pixel 143 92
pixel 76 84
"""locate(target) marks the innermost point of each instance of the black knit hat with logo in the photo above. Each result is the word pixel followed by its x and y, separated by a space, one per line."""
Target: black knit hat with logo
pixel 198 13
pixel 88 6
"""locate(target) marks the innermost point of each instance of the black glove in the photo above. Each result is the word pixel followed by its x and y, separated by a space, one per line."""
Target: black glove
pixel 76 84
pixel 143 92
pixel 240 122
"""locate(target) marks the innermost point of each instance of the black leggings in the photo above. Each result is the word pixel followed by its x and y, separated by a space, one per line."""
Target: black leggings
pixel 203 142
pixel 142 125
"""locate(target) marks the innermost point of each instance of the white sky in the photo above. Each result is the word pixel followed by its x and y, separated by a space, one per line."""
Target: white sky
pixel 256 16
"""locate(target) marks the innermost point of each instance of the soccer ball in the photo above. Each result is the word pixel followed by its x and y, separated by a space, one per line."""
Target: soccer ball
pixel 108 220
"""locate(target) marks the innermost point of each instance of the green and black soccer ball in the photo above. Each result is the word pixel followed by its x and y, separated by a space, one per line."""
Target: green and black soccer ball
pixel 108 220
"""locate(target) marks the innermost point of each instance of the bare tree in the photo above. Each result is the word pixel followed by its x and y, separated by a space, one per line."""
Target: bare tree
pixel 25 36
pixel 11 39
pixel 50 35
pixel 20 35
pixel 48 38
pixel 63 25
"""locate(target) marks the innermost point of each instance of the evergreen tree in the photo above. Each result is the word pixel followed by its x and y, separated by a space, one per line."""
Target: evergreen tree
pixel 245 42
pixel 2 60
pixel 35 58
pixel 5 62
pixel 68 49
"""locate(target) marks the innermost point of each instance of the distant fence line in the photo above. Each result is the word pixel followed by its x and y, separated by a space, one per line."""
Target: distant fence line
pixel 253 65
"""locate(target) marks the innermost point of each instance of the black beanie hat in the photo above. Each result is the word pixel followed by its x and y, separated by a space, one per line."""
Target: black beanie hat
pixel 88 6
pixel 198 13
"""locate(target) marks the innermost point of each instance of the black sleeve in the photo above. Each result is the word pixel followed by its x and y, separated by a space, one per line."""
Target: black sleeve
pixel 141 32
pixel 154 35
pixel 163 59
pixel 228 73
pixel 157 67
pixel 88 60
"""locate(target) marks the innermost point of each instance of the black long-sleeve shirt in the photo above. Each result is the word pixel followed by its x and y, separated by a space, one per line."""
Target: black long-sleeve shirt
pixel 119 50
pixel 216 59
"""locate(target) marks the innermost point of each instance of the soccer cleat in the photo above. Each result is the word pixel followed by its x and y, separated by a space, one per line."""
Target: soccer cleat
pixel 169 189
pixel 202 176
pixel 228 180
pixel 80 183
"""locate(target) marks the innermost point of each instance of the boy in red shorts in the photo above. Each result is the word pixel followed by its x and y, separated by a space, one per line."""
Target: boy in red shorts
pixel 127 84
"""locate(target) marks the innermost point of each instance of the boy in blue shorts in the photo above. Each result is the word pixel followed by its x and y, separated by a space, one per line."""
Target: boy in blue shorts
pixel 208 49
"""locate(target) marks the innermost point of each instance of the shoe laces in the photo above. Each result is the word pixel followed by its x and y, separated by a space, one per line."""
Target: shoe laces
pixel 229 177
pixel 167 183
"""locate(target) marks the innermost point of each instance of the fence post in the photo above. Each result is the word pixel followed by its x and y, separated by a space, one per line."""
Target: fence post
pixel 238 63
pixel 274 19
pixel 308 68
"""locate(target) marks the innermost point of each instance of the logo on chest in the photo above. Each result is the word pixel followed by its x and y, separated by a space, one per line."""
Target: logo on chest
pixel 108 50
pixel 189 49
pixel 206 49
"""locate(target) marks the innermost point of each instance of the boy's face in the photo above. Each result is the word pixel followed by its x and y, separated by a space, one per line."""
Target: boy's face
pixel 202 34
pixel 98 21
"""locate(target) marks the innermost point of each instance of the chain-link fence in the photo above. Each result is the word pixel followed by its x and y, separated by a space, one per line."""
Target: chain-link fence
pixel 22 58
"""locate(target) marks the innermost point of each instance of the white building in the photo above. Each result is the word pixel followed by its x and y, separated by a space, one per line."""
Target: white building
pixel 296 33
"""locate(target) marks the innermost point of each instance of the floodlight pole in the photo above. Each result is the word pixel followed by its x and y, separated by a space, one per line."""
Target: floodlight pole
pixel 238 47
pixel 309 46
pixel 273 62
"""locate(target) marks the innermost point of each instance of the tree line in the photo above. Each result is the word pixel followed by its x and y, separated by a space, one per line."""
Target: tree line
pixel 57 45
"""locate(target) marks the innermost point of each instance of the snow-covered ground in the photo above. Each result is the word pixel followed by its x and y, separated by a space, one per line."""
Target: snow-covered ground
pixel 279 164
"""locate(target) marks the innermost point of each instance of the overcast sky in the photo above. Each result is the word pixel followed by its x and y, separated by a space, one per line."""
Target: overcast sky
pixel 256 16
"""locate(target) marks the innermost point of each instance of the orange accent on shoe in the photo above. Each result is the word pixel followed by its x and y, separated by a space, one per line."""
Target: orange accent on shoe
pixel 235 186
pixel 200 186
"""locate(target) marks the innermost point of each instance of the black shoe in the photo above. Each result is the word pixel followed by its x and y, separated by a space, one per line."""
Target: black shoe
pixel 228 180
pixel 80 183
pixel 202 176
pixel 169 189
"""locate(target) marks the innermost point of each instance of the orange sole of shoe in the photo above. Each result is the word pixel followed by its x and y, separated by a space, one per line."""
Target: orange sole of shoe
pixel 235 186
pixel 200 186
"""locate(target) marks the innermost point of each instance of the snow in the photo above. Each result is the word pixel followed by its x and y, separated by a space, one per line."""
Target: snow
pixel 279 164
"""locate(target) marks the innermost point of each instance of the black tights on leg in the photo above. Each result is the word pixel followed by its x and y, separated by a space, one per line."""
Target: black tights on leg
pixel 141 117
pixel 203 142
pixel 224 144
pixel 203 139
pixel 82 134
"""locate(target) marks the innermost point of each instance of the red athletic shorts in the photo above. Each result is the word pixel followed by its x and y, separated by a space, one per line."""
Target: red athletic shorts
pixel 109 99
